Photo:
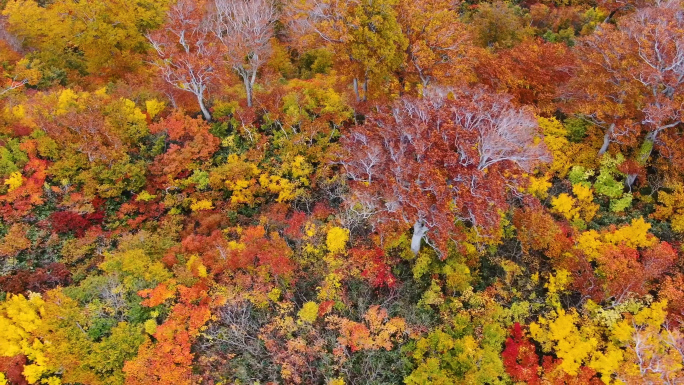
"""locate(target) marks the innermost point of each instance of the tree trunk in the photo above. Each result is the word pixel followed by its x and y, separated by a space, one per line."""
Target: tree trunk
pixel 629 181
pixel 419 231
pixel 647 146
pixel 248 89
pixel 356 90
pixel 606 140
pixel 365 89
pixel 205 111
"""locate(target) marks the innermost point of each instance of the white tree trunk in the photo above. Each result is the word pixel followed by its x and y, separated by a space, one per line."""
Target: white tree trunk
pixel 204 109
pixel 248 89
pixel 606 140
pixel 419 231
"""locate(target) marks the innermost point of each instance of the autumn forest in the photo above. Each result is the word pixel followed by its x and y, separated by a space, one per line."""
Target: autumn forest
pixel 341 192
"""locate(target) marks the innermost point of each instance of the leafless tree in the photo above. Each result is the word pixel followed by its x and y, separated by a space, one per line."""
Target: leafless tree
pixel 245 28
pixel 188 59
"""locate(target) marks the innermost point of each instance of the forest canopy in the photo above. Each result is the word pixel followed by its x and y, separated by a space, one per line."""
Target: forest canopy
pixel 341 192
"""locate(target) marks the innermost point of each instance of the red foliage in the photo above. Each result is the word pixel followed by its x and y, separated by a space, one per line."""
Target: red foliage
pixel 13 368
pixel 169 359
pixel 441 162
pixel 37 281
pixel 531 71
pixel 520 358
pixel 556 376
pixel 623 271
pixel 18 203
pixel 673 290
pixel 270 252
pixel 64 222
pixel 294 225
pixel 190 142
pixel 374 267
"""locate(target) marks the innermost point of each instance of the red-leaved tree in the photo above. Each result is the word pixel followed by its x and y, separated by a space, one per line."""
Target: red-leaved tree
pixel 441 163
pixel 188 57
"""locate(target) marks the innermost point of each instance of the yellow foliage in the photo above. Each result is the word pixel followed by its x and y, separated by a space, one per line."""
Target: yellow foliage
pixel 581 207
pixel 204 204
pixel 195 265
pixel 585 200
pixel 539 187
pixel 132 112
pixel 301 169
pixel 607 363
pixel 241 191
pixel 14 181
pixel 308 312
pixel 633 235
pixel 3 379
pixel 52 381
pixel 274 294
pixel 154 107
pixel 671 208
pixel 561 334
pixel 144 196
pixel 133 265
pixel 310 229
pixel 330 290
pixel 557 284
pixel 68 99
pixel 653 315
pixel 150 326
pixel 278 185
pixel 564 204
pixel 19 111
pixel 590 243
pixel 558 145
pixel 19 316
pixel 337 239
pixel 334 381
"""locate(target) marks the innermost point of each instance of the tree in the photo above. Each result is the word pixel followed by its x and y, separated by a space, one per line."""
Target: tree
pixel 169 359
pixel 245 28
pixel 438 43
pixel 429 161
pixel 631 77
pixel 366 33
pixel 103 38
pixel 188 57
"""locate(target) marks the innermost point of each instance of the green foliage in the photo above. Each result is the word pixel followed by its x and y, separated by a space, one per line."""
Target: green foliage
pixel 620 205
pixel 12 158
pixel 577 129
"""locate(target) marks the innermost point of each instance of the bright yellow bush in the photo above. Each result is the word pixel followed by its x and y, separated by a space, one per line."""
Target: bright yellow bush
pixel 14 181
pixel 539 187
pixel 633 235
pixel 559 333
pixel 564 204
pixel 337 239
pixel 308 312
pixel 204 204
